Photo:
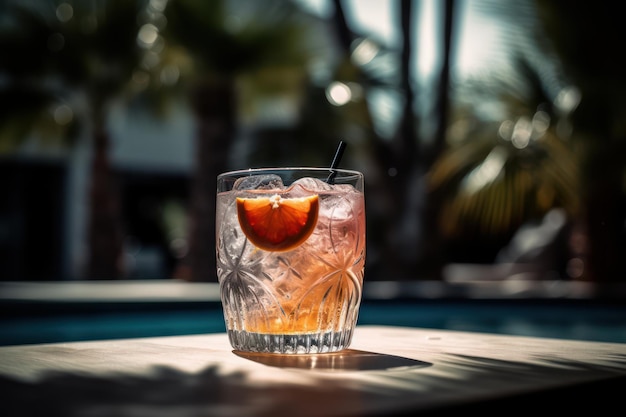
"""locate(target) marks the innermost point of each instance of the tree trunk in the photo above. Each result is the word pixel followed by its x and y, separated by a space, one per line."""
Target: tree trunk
pixel 431 256
pixel 406 139
pixel 605 213
pixel 404 231
pixel 105 237
pixel 213 104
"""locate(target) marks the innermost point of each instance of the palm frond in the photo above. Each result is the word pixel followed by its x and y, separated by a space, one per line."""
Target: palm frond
pixel 491 186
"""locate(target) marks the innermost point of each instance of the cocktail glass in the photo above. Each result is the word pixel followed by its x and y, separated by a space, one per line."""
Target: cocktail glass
pixel 290 257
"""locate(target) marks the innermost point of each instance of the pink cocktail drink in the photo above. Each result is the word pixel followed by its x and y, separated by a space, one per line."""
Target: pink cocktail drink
pixel 298 298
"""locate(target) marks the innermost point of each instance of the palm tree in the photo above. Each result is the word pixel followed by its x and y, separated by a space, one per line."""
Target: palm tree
pixel 227 57
pixel 410 241
pixel 592 62
pixel 430 256
pixel 394 165
pixel 564 77
pixel 497 175
pixel 83 55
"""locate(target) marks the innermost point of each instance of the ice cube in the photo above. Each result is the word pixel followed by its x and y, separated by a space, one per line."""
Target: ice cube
pixel 259 182
pixel 313 184
pixel 345 188
pixel 338 207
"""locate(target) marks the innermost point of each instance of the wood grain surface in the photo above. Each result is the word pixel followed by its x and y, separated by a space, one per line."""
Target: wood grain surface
pixel 387 371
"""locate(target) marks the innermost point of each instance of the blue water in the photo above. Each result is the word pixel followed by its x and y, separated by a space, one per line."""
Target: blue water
pixel 575 321
pixel 595 322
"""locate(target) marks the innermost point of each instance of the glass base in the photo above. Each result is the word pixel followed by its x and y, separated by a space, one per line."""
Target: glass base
pixel 290 343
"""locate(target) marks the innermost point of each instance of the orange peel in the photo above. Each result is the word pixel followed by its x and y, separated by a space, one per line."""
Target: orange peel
pixel 275 223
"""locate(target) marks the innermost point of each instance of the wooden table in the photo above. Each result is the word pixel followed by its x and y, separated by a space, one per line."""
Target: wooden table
pixel 390 371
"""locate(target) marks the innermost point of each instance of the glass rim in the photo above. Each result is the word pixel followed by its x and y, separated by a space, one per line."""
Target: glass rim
pixel 345 173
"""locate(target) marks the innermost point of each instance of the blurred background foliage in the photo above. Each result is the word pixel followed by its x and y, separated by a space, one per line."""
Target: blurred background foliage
pixel 521 163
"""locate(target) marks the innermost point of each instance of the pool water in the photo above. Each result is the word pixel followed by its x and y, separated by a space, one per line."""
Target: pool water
pixel 562 320
pixel 572 320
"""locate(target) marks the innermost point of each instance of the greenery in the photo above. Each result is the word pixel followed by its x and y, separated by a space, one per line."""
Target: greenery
pixel 553 135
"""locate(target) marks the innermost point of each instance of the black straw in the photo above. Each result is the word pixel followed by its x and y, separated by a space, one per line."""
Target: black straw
pixel 336 160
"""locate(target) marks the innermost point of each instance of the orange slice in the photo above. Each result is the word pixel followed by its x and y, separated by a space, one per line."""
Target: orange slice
pixel 276 223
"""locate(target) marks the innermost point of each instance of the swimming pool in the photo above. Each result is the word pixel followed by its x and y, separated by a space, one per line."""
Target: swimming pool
pixel 29 323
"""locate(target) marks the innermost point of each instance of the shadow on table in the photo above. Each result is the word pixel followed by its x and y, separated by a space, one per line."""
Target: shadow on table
pixel 346 360
pixel 461 384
